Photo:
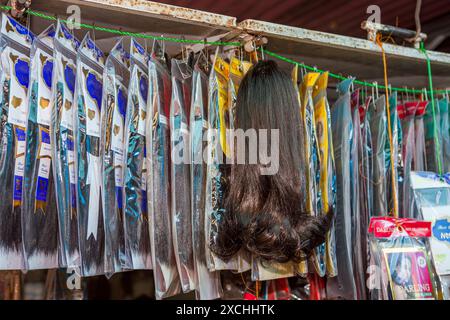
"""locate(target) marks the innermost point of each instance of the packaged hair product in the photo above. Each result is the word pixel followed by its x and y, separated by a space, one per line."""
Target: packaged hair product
pixel 401 251
pixel 208 285
pixel 419 156
pixel 180 173
pixel 116 77
pixel 167 281
pixel 216 151
pixel 62 135
pixel 40 214
pixel 88 164
pixel 343 286
pixel 15 43
pixel 136 218
pixel 431 196
pixel 322 118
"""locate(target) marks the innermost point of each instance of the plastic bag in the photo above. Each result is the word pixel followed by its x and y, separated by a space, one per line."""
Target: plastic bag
pixel 180 173
pixel 63 115
pixel 327 172
pixel 208 285
pixel 401 252
pixel 444 134
pixel 396 142
pixel 167 282
pixel 341 119
pixel 116 78
pixel 136 218
pixel 39 214
pixel 419 156
pixel 88 164
pixel 431 136
pixel 15 42
pixel 432 202
pixel 378 127
pixel 216 149
pixel 407 114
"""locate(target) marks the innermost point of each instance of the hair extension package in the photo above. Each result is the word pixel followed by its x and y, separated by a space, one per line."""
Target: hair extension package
pixel 432 130
pixel 445 133
pixel 311 146
pixel 180 173
pixel 419 156
pixel 343 285
pixel 396 143
pixel 15 42
pixel 400 249
pixel 88 165
pixel 208 285
pixel 432 201
pixel 39 213
pixel 167 281
pixel 116 77
pixel 62 126
pixel 322 118
pixel 406 114
pixel 136 218
pixel 217 150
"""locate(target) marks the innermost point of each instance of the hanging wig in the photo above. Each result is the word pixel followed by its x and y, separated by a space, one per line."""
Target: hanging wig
pixel 265 214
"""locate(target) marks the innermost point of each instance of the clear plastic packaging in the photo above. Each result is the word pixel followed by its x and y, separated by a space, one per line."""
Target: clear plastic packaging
pixel 343 286
pixel 88 163
pixel 63 116
pixel 432 203
pixel 116 78
pixel 167 281
pixel 136 218
pixel 327 171
pixel 15 43
pixel 180 173
pixel 40 213
pixel 400 252
pixel 444 134
pixel 419 157
pixel 407 115
pixel 378 127
pixel 216 152
pixel 208 285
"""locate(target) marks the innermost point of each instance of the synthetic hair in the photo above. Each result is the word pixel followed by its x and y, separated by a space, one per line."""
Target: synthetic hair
pixel 265 214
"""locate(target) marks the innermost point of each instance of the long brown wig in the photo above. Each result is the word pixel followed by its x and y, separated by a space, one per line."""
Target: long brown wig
pixel 265 214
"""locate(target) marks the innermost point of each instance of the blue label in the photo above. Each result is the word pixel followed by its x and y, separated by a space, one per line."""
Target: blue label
pixel 18 188
pixel 69 144
pixel 144 201
pixel 143 87
pixel 41 189
pixel 119 197
pixel 73 195
pixel 94 88
pixel 22 71
pixel 69 76
pixel 20 134
pixel 122 102
pixel 441 230
pixel 45 137
pixel 47 73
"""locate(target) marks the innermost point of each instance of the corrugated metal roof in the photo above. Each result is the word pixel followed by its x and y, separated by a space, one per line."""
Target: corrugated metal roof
pixel 336 16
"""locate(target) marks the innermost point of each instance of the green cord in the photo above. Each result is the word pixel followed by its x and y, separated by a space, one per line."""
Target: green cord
pixel 219 43
pixel 433 108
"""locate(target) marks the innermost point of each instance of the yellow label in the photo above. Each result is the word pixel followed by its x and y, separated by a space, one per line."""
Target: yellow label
pixel 321 84
pixel 321 122
pixel 223 73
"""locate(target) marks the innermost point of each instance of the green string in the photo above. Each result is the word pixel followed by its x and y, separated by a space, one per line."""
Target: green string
pixel 218 43
pixel 433 108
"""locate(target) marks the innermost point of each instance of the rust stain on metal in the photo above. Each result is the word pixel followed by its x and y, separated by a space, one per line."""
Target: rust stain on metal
pixel 171 11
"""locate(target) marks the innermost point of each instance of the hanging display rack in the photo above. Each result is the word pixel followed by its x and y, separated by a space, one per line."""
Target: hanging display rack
pixel 357 57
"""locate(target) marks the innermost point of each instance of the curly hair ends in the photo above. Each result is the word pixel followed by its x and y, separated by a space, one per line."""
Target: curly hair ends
pixel 265 214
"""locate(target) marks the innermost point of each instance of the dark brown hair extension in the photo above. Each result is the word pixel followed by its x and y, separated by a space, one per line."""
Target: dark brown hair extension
pixel 265 214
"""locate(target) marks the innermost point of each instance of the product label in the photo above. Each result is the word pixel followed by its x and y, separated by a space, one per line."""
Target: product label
pixel 66 75
pixel 142 100
pixel 45 160
pixel 44 94
pixel 19 68
pixel 144 183
pixel 92 93
pixel 19 163
pixel 119 103
pixel 440 240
